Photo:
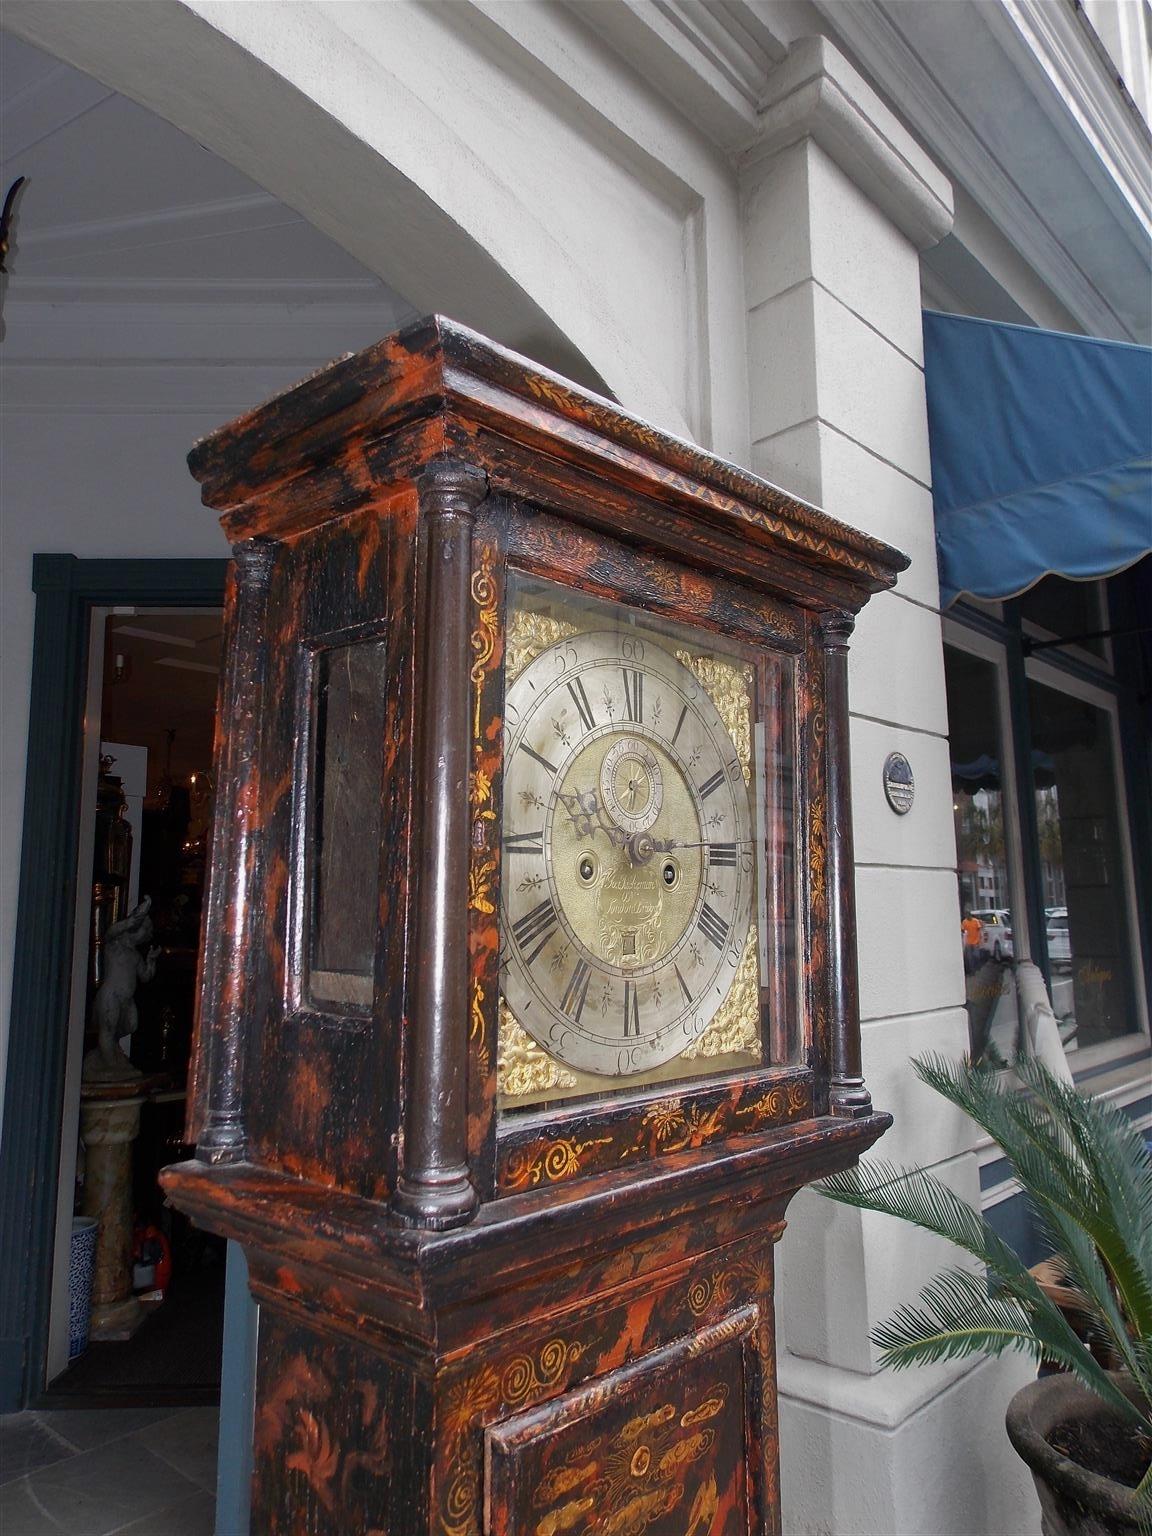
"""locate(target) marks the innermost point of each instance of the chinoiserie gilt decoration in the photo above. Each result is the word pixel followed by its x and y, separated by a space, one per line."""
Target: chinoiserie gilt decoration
pixel 528 996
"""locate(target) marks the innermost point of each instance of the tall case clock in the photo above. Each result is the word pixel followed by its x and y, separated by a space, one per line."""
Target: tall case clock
pixel 528 996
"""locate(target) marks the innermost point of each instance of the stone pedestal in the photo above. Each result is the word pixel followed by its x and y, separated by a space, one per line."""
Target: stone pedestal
pixel 109 1124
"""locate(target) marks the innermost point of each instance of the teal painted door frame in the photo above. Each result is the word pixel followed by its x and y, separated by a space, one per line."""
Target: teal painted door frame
pixel 67 590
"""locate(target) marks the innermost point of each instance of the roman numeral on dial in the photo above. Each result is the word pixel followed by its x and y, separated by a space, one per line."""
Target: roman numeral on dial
pixel 543 761
pixel 722 855
pixel 631 1010
pixel 633 695
pixel 710 786
pixel 576 991
pixel 535 928
pixel 713 925
pixel 524 842
pixel 683 986
pixel 580 699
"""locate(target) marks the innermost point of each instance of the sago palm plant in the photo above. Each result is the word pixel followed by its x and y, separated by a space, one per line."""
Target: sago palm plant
pixel 1088 1178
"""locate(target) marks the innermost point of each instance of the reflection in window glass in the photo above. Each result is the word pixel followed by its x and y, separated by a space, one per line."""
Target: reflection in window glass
pixel 1069 609
pixel 986 929
pixel 1074 781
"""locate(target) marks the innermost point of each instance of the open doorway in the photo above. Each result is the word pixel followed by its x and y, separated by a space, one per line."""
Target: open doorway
pixel 155 1316
pixel 152 292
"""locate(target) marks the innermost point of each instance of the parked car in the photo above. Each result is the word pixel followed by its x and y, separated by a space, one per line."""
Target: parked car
pixel 1059 944
pixel 996 932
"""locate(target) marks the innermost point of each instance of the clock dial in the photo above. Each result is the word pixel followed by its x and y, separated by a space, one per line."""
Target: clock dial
pixel 628 866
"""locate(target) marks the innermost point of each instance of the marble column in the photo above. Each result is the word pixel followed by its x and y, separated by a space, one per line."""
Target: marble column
pixel 109 1124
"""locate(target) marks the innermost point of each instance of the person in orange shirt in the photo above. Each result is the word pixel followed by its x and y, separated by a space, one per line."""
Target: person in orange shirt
pixel 971 928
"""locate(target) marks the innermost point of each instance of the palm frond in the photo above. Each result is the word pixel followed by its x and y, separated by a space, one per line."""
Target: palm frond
pixel 955 1317
pixel 1086 1269
pixel 1080 1162
pixel 1118 1179
pixel 918 1197
pixel 1088 1179
pixel 1111 1146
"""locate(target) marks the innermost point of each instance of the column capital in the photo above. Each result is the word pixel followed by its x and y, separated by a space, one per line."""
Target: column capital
pixel 254 561
pixel 835 629
pixel 816 94
pixel 452 485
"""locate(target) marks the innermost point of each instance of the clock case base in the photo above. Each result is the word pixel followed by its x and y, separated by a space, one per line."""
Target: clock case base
pixel 452 1315
pixel 485 1379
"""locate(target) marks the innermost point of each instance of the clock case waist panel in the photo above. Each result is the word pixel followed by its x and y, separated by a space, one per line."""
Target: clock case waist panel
pixel 443 1382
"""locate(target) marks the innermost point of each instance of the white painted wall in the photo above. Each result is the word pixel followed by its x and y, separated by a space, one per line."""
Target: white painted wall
pixel 444 147
pixel 840 296
pixel 94 463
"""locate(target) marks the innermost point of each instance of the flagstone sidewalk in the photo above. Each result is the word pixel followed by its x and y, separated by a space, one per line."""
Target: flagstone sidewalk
pixel 109 1472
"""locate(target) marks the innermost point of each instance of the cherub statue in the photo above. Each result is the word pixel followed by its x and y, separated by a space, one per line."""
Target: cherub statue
pixel 114 1007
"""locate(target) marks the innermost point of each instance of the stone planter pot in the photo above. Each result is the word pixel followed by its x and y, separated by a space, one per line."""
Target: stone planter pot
pixel 1073 1501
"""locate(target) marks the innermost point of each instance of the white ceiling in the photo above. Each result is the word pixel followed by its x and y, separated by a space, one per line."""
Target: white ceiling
pixel 146 276
pixel 120 202
pixel 168 684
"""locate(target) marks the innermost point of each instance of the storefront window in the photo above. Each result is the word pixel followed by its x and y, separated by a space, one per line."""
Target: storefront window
pixel 1071 610
pixel 987 932
pixel 1085 899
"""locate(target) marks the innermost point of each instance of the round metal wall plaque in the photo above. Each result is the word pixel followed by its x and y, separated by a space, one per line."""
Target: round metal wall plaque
pixel 899 784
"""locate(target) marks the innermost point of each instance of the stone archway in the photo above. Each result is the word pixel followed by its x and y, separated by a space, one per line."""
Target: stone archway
pixel 333 130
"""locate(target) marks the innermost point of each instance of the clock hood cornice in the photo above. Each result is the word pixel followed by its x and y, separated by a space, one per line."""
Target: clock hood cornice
pixel 344 438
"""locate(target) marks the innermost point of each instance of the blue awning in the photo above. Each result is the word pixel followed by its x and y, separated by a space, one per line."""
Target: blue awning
pixel 1041 454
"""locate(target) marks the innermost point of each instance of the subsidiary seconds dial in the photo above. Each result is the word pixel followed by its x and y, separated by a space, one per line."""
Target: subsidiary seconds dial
pixel 628 883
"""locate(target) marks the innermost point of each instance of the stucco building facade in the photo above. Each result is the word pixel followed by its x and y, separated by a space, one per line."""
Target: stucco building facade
pixel 728 216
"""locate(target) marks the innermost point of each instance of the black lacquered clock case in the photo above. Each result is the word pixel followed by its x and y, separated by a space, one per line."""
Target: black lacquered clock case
pixel 528 995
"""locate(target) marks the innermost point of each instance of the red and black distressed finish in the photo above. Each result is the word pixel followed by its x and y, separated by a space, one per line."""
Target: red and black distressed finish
pixel 562 1324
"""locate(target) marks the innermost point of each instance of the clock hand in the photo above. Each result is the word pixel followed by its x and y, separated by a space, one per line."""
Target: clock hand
pixel 587 815
pixel 641 846
pixel 670 843
pixel 634 787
